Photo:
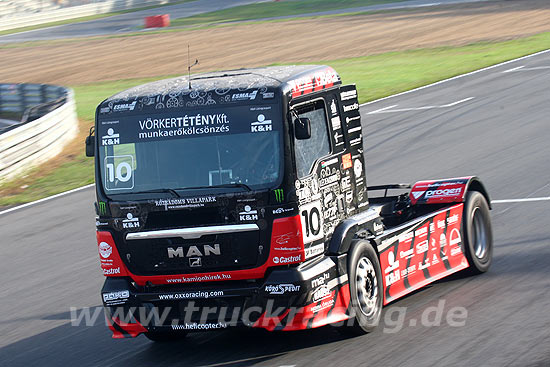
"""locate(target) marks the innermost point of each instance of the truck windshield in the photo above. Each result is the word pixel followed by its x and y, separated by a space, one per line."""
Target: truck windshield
pixel 222 146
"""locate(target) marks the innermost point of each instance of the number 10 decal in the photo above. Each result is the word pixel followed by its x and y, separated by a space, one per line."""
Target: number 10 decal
pixel 119 174
pixel 312 221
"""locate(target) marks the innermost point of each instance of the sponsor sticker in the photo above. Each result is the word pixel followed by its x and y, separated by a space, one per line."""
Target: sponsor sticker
pixel 195 202
pixel 111 138
pixel 250 96
pixel 320 293
pixel 261 124
pixel 333 108
pixel 312 222
pixel 441 193
pixel 285 238
pixel 336 123
pixel 346 161
pixel 130 222
pixel 323 305
pixel 115 298
pixel 347 95
pixel 406 254
pixel 357 168
pixel 320 280
pixel 124 107
pixel 452 219
pixel 392 274
pixel 248 214
pixel 279 289
pixel 111 271
pixel 314 250
pixel 287 259
pixel 351 107
pixel 105 250
pixel 422 247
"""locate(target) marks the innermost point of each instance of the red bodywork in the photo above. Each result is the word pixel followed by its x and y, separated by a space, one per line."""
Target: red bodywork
pixel 410 257
pixel 314 82
pixel 286 233
pixel 423 253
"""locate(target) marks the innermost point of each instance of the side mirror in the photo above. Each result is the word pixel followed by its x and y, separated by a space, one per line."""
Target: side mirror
pixel 90 144
pixel 302 128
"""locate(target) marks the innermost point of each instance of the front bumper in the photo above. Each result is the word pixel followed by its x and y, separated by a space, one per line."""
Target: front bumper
pixel 310 295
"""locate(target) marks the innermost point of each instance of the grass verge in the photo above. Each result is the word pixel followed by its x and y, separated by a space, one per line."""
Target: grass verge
pixel 273 9
pixel 376 76
pixel 85 19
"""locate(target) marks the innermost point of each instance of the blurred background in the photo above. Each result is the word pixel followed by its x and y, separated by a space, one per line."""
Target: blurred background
pixel 60 58
pixel 97 48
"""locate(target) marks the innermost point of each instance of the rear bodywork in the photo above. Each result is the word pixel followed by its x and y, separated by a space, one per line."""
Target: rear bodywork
pixel 272 255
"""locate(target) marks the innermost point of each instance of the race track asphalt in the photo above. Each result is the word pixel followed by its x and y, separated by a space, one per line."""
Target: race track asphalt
pixel 499 131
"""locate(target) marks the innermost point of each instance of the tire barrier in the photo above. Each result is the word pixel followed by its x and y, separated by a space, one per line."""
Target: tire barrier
pixel 47 121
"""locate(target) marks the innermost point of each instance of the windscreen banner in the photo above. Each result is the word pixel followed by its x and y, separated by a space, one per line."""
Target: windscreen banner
pixel 180 124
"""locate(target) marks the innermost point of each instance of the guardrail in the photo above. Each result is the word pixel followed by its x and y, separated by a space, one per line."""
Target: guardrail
pixel 99 7
pixel 48 122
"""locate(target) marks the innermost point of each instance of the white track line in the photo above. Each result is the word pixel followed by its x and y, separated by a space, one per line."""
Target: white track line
pixel 46 199
pixel 458 102
pixel 523 68
pixel 364 104
pixel 382 109
pixel 389 110
pixel 514 69
pixel 456 77
pixel 547 198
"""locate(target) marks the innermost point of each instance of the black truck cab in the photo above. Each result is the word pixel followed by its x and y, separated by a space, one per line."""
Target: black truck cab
pixel 235 190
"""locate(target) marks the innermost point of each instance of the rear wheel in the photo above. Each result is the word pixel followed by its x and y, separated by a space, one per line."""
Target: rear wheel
pixel 365 281
pixel 477 231
pixel 165 336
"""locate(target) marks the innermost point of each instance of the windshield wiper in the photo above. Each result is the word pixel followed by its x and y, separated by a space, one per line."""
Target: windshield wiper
pixel 236 184
pixel 175 192
pixel 171 191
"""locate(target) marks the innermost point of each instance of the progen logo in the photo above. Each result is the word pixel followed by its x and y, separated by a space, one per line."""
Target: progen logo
pixel 287 259
pixel 444 192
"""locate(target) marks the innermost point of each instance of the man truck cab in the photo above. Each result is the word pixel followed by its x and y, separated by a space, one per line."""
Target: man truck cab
pixel 245 192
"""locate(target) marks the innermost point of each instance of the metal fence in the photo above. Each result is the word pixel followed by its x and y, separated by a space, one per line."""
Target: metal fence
pixel 47 122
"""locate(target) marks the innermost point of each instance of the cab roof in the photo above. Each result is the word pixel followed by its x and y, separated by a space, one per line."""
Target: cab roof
pixel 225 87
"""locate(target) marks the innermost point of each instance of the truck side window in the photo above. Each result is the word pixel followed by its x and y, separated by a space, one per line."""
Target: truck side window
pixel 309 150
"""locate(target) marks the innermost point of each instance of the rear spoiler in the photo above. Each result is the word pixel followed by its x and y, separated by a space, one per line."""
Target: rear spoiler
pixel 449 190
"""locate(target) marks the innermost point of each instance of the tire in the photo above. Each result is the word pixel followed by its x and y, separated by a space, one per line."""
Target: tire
pixel 477 233
pixel 165 336
pixel 366 293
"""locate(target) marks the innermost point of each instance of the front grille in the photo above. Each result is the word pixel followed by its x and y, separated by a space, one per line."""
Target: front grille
pixel 232 251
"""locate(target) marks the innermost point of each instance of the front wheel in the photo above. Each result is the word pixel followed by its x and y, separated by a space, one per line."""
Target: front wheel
pixel 365 281
pixel 478 234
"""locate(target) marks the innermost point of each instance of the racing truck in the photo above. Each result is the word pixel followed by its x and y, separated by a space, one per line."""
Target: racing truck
pixel 239 198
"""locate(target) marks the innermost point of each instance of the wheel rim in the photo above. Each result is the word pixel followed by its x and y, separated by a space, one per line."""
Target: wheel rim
pixel 367 287
pixel 480 235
